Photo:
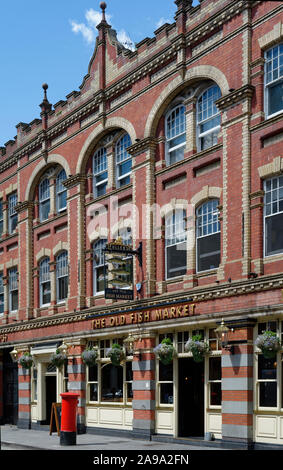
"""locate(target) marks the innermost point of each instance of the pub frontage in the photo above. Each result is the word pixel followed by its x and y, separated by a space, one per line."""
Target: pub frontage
pixel 231 394
pixel 141 239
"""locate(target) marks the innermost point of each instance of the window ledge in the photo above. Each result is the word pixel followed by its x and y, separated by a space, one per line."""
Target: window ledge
pixel 271 258
pixel 210 272
pixel 107 195
pixel 38 224
pixel 174 280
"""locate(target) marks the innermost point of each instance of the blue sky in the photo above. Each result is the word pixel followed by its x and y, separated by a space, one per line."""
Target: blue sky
pixel 53 42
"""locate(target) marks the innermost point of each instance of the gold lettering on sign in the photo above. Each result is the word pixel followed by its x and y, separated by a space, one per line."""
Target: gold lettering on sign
pixel 142 317
pixel 3 338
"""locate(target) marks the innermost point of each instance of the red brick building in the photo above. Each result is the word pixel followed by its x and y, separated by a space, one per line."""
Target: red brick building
pixel 177 145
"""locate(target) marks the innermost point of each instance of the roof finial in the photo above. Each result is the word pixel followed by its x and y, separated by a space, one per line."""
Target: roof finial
pixel 45 105
pixel 45 87
pixel 103 6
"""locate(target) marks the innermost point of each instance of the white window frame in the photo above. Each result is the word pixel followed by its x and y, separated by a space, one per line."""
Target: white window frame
pixel 273 81
pixel 279 370
pixel 103 345
pixel 1 218
pixel 12 202
pixel 173 132
pixel 97 250
pixel 99 167
pixel 209 381
pixel 44 278
pixel 13 287
pixel 43 197
pixel 214 232
pixel 215 113
pixel 265 215
pixel 60 189
pixel 2 294
pixel 65 375
pixel 62 272
pixel 122 156
pixel 175 233
pixel 127 382
pixel 34 382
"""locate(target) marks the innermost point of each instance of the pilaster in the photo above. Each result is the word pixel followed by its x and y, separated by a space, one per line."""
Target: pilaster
pixel 24 395
pixel 237 385
pixel 144 386
pixel 77 380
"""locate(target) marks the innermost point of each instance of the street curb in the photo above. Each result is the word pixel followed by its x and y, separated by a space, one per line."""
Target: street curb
pixel 20 446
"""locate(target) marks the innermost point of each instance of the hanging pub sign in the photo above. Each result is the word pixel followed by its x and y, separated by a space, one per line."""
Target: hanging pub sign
pixel 118 270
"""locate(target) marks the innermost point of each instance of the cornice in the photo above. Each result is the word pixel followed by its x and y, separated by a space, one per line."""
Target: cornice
pixel 74 180
pixel 235 96
pixel 197 295
pixel 25 205
pixel 141 146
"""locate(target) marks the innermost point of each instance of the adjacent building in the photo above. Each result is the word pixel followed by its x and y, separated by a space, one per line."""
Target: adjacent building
pixel 175 149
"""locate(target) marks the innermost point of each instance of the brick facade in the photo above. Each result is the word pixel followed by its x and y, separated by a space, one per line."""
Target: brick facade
pixel 216 43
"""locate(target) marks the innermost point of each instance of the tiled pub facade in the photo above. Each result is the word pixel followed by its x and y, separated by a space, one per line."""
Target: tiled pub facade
pixel 190 122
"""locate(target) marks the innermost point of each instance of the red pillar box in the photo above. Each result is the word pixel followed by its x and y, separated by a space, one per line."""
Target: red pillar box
pixel 68 434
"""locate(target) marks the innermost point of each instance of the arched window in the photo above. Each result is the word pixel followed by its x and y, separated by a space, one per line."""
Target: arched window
pixel 208 118
pixel 44 282
pixel 13 289
pixel 208 236
pixel 175 243
pixel 123 160
pixel 13 215
pixel 175 132
pixel 100 174
pixel 62 274
pixel 98 266
pixel 44 199
pixel 273 78
pixel 273 215
pixel 1 294
pixel 61 191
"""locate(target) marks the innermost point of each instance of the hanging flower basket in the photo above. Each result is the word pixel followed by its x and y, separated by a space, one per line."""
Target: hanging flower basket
pixel 89 356
pixel 58 358
pixel 197 347
pixel 116 354
pixel 26 361
pixel 165 351
pixel 269 344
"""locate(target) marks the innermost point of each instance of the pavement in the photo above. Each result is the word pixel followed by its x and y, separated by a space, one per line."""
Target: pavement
pixel 13 438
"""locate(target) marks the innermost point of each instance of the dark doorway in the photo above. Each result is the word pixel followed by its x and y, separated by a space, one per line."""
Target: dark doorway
pixel 10 389
pixel 50 395
pixel 191 398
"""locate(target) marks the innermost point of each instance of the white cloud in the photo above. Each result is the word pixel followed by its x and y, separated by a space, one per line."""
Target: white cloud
pixel 86 31
pixel 94 17
pixel 125 39
pixel 89 33
pixel 161 22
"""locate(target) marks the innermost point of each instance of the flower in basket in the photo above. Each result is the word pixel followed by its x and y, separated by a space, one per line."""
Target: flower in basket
pixel 116 354
pixel 26 361
pixel 269 344
pixel 198 347
pixel 58 358
pixel 165 351
pixel 89 356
